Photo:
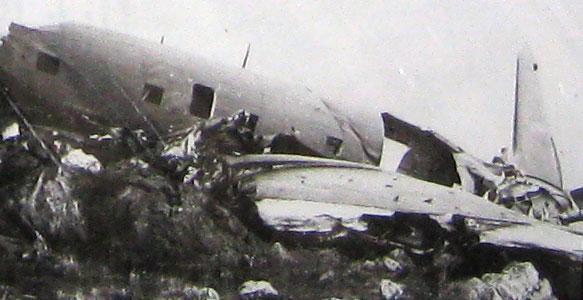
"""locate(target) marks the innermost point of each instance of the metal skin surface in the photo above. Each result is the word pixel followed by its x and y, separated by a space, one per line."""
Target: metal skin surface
pixel 101 81
pixel 363 190
pixel 533 148
pixel 81 79
pixel 533 164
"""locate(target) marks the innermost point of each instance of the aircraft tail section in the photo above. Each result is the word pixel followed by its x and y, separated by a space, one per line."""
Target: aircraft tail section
pixel 533 147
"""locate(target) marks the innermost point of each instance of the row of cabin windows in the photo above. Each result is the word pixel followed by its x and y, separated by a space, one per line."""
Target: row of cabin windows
pixel 200 105
pixel 201 101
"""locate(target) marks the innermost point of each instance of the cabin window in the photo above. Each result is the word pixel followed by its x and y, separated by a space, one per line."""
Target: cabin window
pixel 334 144
pixel 47 63
pixel 152 94
pixel 203 98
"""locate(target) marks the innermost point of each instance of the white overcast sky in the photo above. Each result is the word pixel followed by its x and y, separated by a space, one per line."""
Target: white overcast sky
pixel 445 65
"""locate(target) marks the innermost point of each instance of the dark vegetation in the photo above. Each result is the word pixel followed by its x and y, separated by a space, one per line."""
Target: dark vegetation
pixel 135 230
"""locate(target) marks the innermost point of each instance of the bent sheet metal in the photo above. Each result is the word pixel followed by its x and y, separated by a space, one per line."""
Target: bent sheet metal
pixel 368 191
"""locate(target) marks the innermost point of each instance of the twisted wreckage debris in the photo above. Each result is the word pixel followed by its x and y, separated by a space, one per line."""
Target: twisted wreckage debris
pixel 342 202
pixel 212 194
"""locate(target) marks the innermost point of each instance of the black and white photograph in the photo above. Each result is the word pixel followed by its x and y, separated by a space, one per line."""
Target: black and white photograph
pixel 291 149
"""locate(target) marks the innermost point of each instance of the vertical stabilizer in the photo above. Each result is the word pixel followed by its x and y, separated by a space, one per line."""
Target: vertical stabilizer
pixel 533 148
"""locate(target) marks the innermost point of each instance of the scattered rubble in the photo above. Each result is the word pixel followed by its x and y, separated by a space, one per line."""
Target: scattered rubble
pixel 392 265
pixel 191 292
pixel 10 132
pixel 517 281
pixel 147 222
pixel 391 290
pixel 258 290
pixel 76 158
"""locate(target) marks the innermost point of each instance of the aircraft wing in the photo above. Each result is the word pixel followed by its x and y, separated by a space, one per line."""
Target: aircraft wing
pixel 374 192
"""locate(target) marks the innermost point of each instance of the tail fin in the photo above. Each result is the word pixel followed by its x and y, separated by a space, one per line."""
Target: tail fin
pixel 533 148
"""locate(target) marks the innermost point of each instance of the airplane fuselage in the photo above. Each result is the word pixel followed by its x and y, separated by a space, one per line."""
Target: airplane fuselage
pixel 82 76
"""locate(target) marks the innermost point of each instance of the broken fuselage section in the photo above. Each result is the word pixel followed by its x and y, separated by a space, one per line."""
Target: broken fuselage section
pixel 82 78
pixel 528 179
pixel 434 159
pixel 501 202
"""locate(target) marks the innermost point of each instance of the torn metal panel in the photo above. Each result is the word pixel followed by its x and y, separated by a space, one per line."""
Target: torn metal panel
pixel 366 189
pixel 367 133
pixel 577 196
pixel 534 198
pixel 476 175
pixel 500 181
pixel 413 136
pixel 430 157
pixel 433 158
pixel 533 148
pixel 310 216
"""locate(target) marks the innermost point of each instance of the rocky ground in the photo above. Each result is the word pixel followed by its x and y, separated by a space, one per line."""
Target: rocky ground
pixel 118 218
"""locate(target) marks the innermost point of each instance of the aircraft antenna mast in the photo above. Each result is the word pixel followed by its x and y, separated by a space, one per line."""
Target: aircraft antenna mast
pixel 516 93
pixel 246 56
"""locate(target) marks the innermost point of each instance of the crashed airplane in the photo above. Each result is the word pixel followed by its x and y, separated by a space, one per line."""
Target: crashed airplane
pixel 89 78
pixel 84 79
